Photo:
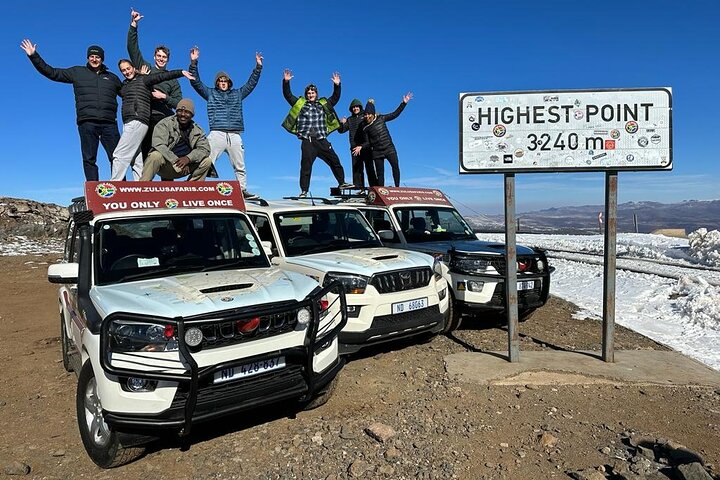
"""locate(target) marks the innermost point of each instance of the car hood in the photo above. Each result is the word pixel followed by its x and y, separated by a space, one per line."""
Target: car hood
pixel 467 246
pixel 363 261
pixel 197 293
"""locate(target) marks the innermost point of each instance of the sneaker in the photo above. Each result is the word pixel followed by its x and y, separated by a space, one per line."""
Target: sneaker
pixel 250 196
pixel 303 194
pixel 346 185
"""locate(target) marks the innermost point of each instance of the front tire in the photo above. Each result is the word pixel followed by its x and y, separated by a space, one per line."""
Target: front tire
pixel 323 396
pixel 454 316
pixel 100 441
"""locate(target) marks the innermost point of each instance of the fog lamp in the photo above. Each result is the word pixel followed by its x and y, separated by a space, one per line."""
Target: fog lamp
pixel 475 286
pixel 193 336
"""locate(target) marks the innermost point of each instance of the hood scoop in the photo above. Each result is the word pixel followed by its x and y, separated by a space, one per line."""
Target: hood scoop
pixel 227 288
pixel 385 257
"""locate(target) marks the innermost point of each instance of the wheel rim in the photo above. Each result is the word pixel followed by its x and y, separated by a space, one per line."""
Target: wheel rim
pixel 94 421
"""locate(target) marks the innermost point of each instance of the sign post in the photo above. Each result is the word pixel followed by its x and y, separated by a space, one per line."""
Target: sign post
pixel 606 130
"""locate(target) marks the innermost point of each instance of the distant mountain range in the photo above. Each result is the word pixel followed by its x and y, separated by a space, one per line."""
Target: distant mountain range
pixel 689 215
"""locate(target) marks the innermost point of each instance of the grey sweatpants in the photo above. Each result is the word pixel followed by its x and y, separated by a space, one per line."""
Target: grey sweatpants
pixel 128 151
pixel 229 142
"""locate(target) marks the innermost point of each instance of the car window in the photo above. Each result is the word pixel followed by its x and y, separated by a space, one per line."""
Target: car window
pixel 428 224
pixel 325 230
pixel 147 247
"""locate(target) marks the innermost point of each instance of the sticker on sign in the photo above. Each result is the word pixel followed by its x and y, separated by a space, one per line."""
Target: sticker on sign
pixel 577 130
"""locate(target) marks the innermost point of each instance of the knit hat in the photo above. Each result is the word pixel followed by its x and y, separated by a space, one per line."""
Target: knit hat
pixel 355 103
pixel 370 107
pixel 223 74
pixel 96 50
pixel 186 104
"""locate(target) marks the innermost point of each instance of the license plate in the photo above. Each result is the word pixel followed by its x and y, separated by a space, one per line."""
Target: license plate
pixel 249 369
pixel 526 285
pixel 409 306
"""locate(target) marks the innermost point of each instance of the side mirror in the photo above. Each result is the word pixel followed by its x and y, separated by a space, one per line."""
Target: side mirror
pixel 386 234
pixel 63 273
pixel 267 247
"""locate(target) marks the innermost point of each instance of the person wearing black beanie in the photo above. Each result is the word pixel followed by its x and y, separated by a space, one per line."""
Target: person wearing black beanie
pixel 364 161
pixel 379 141
pixel 96 102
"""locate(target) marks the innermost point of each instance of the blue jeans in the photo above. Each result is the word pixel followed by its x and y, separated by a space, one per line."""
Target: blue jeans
pixel 92 133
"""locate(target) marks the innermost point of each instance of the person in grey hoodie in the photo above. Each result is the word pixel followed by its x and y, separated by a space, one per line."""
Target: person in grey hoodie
pixel 225 115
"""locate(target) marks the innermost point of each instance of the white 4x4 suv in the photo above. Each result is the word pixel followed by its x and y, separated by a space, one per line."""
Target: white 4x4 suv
pixel 391 293
pixel 171 314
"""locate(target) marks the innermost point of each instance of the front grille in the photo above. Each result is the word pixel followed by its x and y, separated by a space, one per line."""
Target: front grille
pixel 499 264
pixel 401 280
pixel 385 324
pixel 229 331
pixel 213 397
pixel 525 297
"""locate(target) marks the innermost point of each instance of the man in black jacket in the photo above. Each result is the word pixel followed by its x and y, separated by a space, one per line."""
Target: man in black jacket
pixel 166 94
pixel 96 91
pixel 136 95
pixel 378 139
pixel 357 137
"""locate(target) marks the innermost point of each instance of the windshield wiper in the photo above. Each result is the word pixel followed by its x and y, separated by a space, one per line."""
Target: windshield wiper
pixel 176 269
pixel 244 262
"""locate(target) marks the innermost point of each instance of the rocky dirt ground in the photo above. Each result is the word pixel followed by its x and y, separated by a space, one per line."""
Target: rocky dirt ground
pixel 395 414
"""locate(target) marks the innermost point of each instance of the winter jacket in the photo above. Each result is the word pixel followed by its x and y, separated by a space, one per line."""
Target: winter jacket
pixel 171 88
pixel 377 135
pixel 352 124
pixel 331 119
pixel 166 136
pixel 137 94
pixel 95 92
pixel 224 108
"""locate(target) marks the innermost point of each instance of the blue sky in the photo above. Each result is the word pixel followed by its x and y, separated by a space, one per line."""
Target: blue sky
pixel 382 50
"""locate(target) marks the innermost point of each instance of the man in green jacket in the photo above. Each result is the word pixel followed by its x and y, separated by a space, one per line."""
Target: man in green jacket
pixel 180 147
pixel 312 119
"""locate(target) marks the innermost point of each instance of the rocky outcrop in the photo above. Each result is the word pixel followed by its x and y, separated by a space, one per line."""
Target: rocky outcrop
pixel 31 219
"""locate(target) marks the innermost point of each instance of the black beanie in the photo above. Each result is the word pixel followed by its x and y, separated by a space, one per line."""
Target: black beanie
pixel 370 107
pixel 96 50
pixel 355 103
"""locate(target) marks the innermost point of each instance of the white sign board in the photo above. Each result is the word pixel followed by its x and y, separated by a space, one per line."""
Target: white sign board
pixel 576 130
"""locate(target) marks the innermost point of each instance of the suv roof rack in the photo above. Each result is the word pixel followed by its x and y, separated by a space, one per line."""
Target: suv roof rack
pixel 323 200
pixel 260 201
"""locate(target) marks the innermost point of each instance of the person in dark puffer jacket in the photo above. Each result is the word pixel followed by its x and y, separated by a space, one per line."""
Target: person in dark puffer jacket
pixel 357 137
pixel 377 138
pixel 224 108
pixel 136 93
pixel 96 90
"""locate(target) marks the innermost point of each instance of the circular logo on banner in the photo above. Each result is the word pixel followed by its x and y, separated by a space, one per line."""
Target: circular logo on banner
pixel 499 130
pixel 643 142
pixel 105 190
pixel 614 134
pixel 631 127
pixel 171 203
pixel 224 189
pixel 383 191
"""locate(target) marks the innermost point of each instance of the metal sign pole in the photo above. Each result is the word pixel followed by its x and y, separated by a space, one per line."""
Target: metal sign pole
pixel 610 247
pixel 511 270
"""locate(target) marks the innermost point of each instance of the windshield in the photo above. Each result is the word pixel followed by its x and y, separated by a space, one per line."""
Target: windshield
pixel 302 233
pixel 432 224
pixel 137 248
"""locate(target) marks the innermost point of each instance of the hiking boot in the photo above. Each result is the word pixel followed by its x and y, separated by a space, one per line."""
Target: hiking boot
pixel 250 196
pixel 303 194
pixel 346 185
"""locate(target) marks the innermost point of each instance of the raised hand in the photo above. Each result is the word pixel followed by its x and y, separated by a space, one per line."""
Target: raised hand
pixel 336 78
pixel 408 96
pixel 144 70
pixel 194 53
pixel 28 46
pixel 258 58
pixel 134 17
pixel 287 74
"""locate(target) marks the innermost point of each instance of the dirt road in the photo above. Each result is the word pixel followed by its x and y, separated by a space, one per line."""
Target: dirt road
pixel 422 424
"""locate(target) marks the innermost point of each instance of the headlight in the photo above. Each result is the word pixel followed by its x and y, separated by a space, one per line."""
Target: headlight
pixel 352 283
pixel 469 265
pixel 129 336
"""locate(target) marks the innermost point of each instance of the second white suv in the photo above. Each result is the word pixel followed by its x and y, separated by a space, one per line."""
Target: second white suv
pixel 391 293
